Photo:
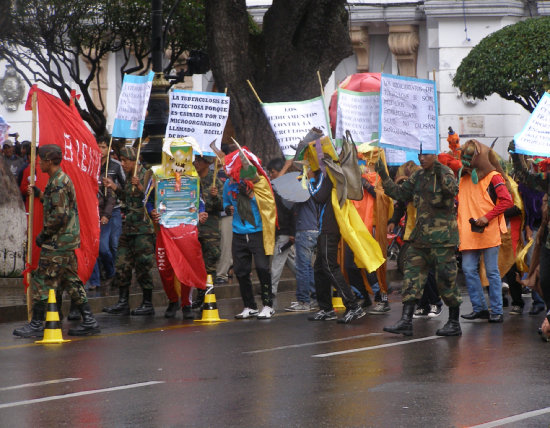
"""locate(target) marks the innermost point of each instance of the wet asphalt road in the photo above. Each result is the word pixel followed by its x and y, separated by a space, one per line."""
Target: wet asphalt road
pixel 283 372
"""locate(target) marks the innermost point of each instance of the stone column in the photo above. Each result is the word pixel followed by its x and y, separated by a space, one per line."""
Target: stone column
pixel 360 42
pixel 403 42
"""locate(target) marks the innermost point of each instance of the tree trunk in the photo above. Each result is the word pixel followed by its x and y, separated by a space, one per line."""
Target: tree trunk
pixel 299 38
pixel 13 227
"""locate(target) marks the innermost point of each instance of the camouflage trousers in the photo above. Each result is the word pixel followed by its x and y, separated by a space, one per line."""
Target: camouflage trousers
pixel 57 270
pixel 211 252
pixel 442 261
pixel 135 252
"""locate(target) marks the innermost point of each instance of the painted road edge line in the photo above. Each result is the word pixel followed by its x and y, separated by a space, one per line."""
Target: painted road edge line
pixel 46 382
pixel 78 394
pixel 514 418
pixel 300 345
pixel 370 348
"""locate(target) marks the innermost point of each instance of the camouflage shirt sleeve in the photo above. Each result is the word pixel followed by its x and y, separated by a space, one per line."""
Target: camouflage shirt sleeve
pixel 449 185
pixel 400 192
pixel 536 181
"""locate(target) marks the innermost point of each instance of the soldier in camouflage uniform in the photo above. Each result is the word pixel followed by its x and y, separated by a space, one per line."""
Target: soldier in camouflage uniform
pixel 433 239
pixel 136 247
pixel 209 228
pixel 59 238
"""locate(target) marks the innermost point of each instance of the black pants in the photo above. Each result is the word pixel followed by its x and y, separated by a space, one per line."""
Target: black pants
pixel 430 296
pixel 354 273
pixel 515 287
pixel 327 272
pixel 243 248
pixel 545 274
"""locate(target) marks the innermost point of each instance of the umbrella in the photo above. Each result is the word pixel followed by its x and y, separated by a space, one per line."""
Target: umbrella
pixel 290 188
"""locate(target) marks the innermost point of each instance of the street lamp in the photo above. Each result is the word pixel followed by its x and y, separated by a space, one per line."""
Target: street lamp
pixel 158 108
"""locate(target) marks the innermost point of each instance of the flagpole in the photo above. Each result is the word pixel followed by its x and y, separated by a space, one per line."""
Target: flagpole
pixel 216 168
pixel 107 163
pixel 31 200
pixel 254 90
pixel 321 84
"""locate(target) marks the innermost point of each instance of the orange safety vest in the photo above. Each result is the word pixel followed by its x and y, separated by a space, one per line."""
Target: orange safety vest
pixel 474 202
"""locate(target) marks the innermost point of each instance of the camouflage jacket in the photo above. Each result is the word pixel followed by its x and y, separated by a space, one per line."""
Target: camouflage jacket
pixel 432 193
pixel 137 222
pixel 213 204
pixel 536 181
pixel 61 231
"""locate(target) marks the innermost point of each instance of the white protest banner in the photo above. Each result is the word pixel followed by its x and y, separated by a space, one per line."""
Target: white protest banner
pixel 291 121
pixel 132 106
pixel 358 113
pixel 534 139
pixel 408 114
pixel 201 115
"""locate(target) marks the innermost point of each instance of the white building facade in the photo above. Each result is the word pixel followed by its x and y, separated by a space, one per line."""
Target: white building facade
pixel 426 39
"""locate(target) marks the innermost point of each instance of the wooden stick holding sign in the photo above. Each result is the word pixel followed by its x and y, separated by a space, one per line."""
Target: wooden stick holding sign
pixel 107 162
pixel 216 169
pixel 32 174
pixel 137 159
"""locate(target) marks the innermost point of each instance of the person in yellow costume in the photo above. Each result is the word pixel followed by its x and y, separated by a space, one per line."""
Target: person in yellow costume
pixel 338 218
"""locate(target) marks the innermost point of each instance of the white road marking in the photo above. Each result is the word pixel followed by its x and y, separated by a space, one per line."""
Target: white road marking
pixel 300 345
pixel 514 418
pixel 47 382
pixel 77 394
pixel 370 348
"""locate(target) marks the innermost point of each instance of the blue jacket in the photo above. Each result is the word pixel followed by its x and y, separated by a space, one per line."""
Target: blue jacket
pixel 239 226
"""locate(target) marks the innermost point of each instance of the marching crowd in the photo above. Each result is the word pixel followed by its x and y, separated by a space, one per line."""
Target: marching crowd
pixel 467 204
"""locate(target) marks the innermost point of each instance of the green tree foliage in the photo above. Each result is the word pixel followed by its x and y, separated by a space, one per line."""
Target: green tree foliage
pixel 513 62
pixel 63 44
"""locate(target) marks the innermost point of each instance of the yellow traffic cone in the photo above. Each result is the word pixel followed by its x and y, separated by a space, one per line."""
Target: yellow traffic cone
pixel 52 330
pixel 209 307
pixel 337 302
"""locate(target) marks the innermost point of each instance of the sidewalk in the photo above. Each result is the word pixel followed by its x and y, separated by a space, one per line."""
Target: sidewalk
pixel 13 301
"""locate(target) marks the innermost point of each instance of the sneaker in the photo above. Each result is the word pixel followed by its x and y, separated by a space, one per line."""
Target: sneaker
pixel 323 315
pixel 266 313
pixel 314 305
pixel 380 308
pixel 516 310
pixel 421 313
pixel 352 314
pixel 435 311
pixel 247 313
pixel 298 307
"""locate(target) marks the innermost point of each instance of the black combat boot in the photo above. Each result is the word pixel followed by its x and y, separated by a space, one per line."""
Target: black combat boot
pixel 404 326
pixel 188 313
pixel 146 307
pixel 121 307
pixel 35 328
pixel 74 312
pixel 452 328
pixel 197 303
pixel 89 324
pixel 171 310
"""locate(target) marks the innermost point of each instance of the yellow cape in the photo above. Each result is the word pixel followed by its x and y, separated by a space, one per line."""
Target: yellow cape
pixel 268 213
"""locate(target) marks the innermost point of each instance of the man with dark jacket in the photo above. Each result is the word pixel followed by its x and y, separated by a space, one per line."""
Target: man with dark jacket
pixel 326 269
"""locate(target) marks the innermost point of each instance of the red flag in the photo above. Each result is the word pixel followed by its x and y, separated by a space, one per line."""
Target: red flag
pixel 183 251
pixel 62 125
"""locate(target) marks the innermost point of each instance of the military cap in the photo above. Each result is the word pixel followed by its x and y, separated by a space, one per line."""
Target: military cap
pixel 128 153
pixel 50 152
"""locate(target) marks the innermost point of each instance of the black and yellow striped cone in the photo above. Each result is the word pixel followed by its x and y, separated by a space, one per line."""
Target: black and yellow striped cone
pixel 52 329
pixel 209 307
pixel 337 302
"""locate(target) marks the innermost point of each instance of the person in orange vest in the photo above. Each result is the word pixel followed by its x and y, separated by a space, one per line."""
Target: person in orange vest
pixel 483 197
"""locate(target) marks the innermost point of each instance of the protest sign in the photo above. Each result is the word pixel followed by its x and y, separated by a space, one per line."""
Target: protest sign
pixel 291 121
pixel 357 112
pixel 178 206
pixel 4 127
pixel 534 139
pixel 201 115
pixel 132 106
pixel 408 114
pixel 399 157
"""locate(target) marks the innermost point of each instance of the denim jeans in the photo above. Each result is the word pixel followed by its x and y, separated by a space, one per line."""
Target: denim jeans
pixel 108 243
pixel 470 261
pixel 305 243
